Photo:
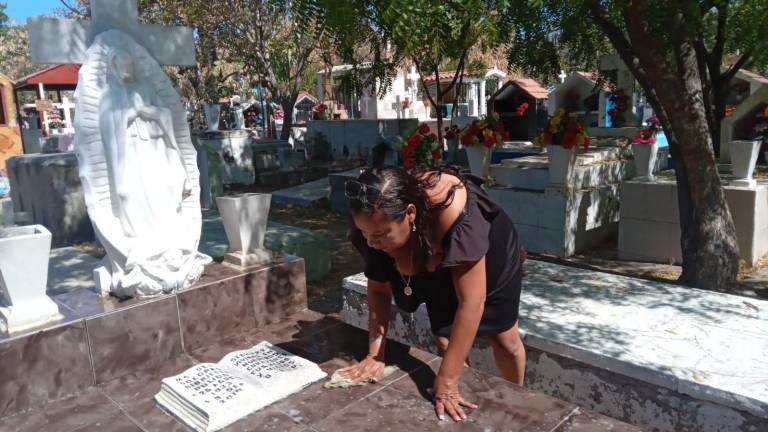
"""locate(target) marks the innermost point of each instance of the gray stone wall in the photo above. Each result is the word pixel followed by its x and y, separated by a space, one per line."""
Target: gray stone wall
pixel 354 139
pixel 46 187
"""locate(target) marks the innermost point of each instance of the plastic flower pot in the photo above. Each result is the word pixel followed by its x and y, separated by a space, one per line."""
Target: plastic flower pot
pixel 561 163
pixel 645 160
pixel 479 158
pixel 744 158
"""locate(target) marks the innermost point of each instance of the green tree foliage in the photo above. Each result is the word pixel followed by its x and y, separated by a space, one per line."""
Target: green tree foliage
pixel 14 50
pixel 683 54
pixel 426 33
pixel 275 41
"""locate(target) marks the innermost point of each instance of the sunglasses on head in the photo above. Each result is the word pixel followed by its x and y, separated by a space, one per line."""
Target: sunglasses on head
pixel 362 192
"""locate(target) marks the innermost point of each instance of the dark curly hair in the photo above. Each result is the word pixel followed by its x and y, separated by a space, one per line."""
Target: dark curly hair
pixel 398 188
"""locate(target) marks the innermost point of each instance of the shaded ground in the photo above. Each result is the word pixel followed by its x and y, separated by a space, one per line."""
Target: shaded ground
pixel 324 295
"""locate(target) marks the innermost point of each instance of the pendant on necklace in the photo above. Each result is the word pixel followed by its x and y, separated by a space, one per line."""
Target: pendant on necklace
pixel 407 290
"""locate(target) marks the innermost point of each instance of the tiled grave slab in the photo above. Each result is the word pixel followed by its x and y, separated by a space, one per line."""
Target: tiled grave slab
pixel 263 296
pixel 117 423
pixel 216 310
pixel 69 414
pixel 682 336
pixel 588 421
pixel 501 405
pixel 103 338
pixel 137 338
pixel 49 364
pixel 134 393
pixel 396 403
pixel 675 344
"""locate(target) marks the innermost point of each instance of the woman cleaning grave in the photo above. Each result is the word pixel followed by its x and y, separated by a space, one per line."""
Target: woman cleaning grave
pixel 433 236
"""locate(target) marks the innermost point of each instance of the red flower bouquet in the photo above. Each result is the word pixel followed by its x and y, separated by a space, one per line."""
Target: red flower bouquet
pixel 420 148
pixel 488 131
pixel 521 109
pixel 563 130
pixel 451 132
pixel 620 104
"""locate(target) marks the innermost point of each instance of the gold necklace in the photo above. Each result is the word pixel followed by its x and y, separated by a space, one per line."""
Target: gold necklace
pixel 407 290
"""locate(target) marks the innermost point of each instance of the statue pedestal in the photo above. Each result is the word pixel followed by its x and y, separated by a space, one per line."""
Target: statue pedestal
pixel 245 260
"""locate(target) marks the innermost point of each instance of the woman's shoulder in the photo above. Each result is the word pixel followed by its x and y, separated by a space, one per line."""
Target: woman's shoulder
pixel 449 197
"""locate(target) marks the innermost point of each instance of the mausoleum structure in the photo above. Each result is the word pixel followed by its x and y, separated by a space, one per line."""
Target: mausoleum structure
pixel 52 84
pixel 605 101
pixel 562 219
pixel 521 104
pixel 649 227
pixel 405 98
pixel 579 93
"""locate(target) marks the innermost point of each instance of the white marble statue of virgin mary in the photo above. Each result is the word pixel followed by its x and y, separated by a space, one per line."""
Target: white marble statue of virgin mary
pixel 139 171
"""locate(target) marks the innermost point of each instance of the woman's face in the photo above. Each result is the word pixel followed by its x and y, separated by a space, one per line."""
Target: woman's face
pixel 384 233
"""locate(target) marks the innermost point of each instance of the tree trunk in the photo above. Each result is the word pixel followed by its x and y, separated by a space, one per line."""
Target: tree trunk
pixel 287 104
pixel 720 95
pixel 708 237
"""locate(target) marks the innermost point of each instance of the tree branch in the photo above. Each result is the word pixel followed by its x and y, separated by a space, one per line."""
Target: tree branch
pixel 424 84
pixel 722 19
pixel 728 76
pixel 72 9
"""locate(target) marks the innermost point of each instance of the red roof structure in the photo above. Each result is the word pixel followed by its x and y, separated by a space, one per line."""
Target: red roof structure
pixel 527 85
pixel 307 95
pixel 59 75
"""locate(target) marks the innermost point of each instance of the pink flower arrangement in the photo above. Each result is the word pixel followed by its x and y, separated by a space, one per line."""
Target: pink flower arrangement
pixel 647 135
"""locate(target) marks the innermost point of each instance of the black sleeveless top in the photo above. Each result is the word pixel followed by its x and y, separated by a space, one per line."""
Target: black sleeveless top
pixel 482 229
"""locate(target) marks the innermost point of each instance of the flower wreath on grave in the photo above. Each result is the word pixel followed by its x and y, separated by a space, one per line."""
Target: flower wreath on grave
pixel 564 130
pixel 420 148
pixel 487 131
pixel 620 104
pixel 54 119
pixel 647 135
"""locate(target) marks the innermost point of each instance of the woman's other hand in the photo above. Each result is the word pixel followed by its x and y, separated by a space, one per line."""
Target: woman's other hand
pixel 448 400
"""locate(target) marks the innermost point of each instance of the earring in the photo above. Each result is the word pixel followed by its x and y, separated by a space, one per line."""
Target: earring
pixel 413 227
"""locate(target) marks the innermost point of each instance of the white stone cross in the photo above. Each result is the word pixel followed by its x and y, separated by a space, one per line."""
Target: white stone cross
pixel 413 75
pixel 63 41
pixel 562 76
